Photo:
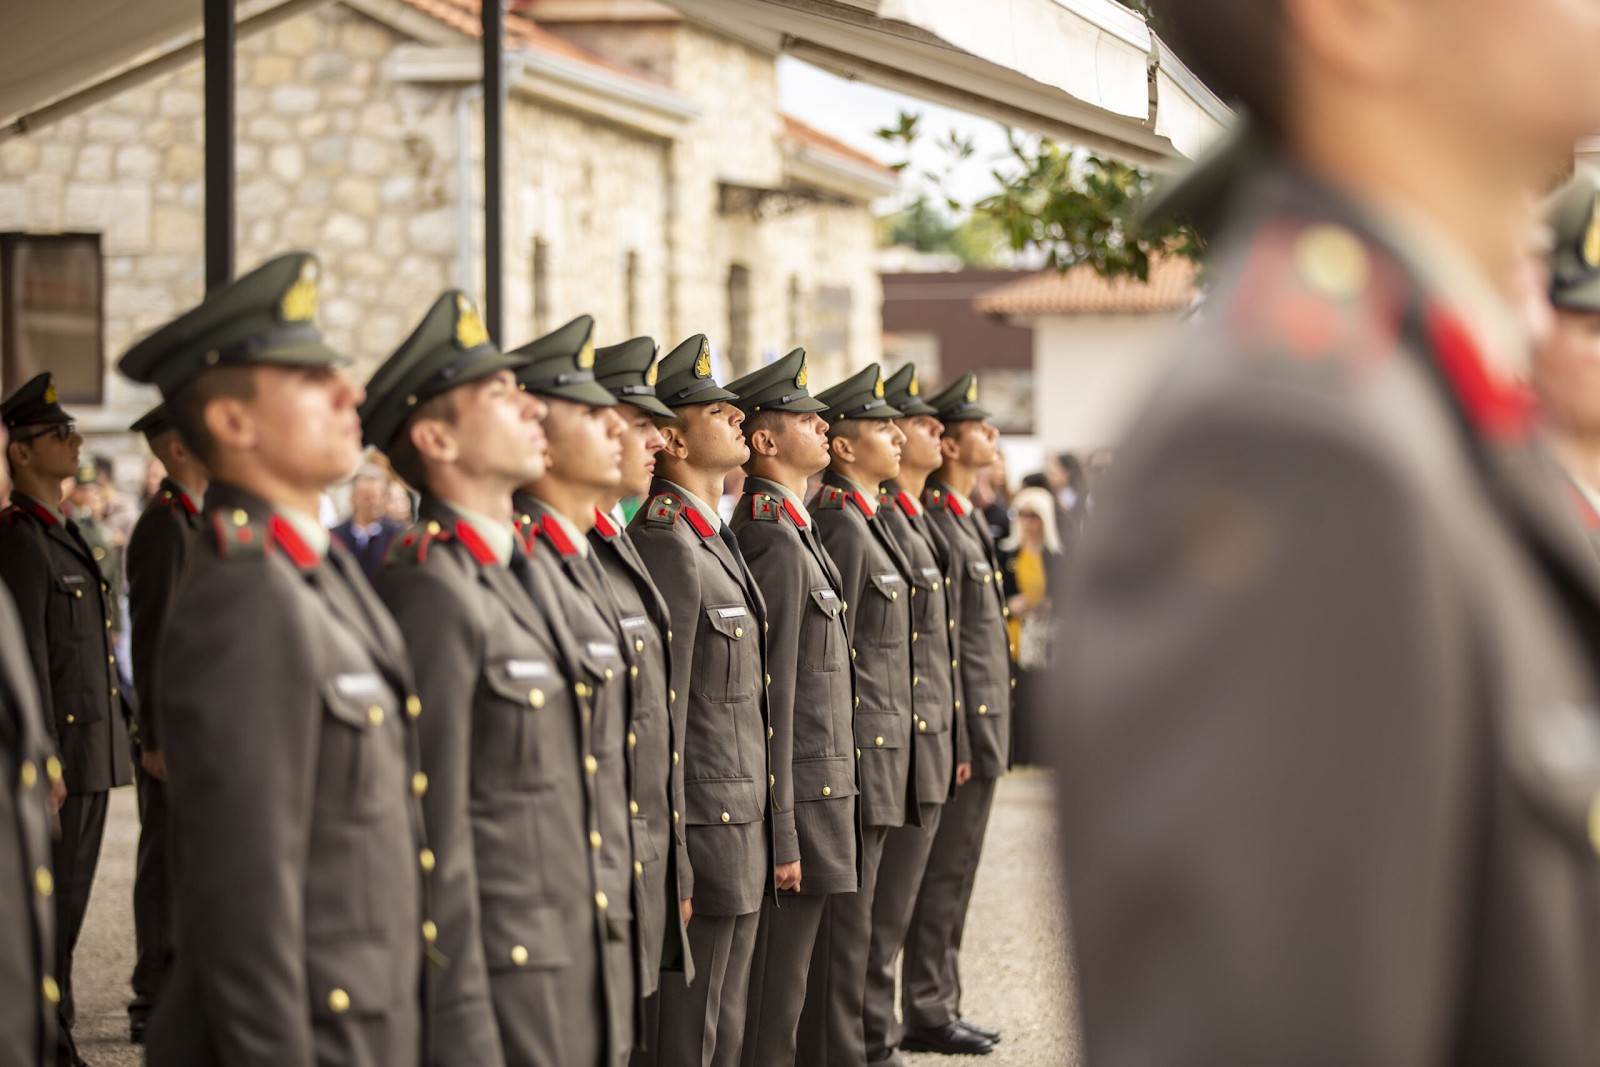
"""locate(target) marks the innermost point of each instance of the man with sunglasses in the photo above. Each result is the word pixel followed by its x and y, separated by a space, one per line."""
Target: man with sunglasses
pixel 67 615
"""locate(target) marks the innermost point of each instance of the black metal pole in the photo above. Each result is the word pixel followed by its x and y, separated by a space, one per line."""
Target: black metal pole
pixel 494 132
pixel 219 42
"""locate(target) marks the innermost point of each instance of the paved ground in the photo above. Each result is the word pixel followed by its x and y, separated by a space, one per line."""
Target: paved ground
pixel 1016 976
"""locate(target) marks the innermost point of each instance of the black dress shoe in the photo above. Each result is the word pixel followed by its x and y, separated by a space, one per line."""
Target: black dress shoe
pixel 988 1033
pixel 951 1039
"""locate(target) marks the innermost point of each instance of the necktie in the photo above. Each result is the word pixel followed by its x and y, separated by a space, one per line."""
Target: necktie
pixel 738 557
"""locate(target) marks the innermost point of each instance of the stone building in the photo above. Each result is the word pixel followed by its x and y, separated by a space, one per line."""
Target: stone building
pixel 651 180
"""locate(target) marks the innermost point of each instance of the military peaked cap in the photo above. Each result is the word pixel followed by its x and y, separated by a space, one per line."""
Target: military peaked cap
pixel 958 402
pixel 1573 215
pixel 860 396
pixel 561 364
pixel 779 386
pixel 34 404
pixel 628 372
pixel 902 390
pixel 153 423
pixel 685 378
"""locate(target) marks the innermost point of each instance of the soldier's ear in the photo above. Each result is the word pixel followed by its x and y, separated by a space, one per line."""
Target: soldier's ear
pixel 950 445
pixel 433 440
pixel 762 443
pixel 841 448
pixel 675 445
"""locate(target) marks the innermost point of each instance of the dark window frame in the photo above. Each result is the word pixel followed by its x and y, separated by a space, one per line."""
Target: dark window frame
pixel 11 371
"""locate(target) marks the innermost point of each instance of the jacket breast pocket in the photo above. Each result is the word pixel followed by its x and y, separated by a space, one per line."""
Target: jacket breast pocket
pixel 822 642
pixel 514 745
pixel 726 673
pixel 360 763
pixel 70 605
pixel 979 600
pixel 346 978
pixel 890 610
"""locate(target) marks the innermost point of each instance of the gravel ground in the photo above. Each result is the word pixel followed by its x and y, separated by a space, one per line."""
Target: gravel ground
pixel 1015 974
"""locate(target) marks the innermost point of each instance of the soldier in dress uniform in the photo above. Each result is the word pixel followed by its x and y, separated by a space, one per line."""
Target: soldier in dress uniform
pixel 67 614
pixel 159 550
pixel 556 510
pixel 28 989
pixel 816 829
pixel 85 506
pixel 717 643
pixel 944 758
pixel 931 997
pixel 1329 685
pixel 875 585
pixel 628 372
pixel 287 712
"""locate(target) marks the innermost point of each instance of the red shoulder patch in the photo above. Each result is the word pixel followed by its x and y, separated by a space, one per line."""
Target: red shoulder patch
pixel 1580 503
pixel 952 504
pixel 907 505
pixel 859 500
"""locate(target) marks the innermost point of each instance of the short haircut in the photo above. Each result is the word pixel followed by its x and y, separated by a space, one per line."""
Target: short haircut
pixel 187 407
pixel 768 420
pixel 849 429
pixel 404 459
pixel 1236 47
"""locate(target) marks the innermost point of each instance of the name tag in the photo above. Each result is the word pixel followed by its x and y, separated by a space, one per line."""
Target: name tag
pixel 357 685
pixel 634 622
pixel 731 613
pixel 527 668
pixel 602 650
pixel 931 573
pixel 827 594
pixel 887 579
pixel 72 579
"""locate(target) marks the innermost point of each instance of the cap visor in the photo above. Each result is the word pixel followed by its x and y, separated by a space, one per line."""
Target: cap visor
pixel 916 407
pixel 804 404
pixel 591 393
pixel 969 415
pixel 490 364
pixel 647 404
pixel 310 354
pixel 705 396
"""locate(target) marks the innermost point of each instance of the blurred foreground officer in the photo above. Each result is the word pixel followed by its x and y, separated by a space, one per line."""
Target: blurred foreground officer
pixel 931 992
pixel 628 372
pixel 811 697
pixel 943 756
pixel 287 713
pixel 1330 695
pixel 67 613
pixel 28 989
pixel 720 712
pixel 557 509
pixel 159 549
pixel 1566 358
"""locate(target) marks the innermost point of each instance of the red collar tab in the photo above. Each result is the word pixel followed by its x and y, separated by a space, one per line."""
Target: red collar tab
pixel 558 536
pixel 286 537
pixel 1499 409
pixel 860 501
pixel 794 513
pixel 603 525
pixel 1580 503
pixel 698 521
pixel 473 541
pixel 36 509
pixel 907 504
pixel 954 505
pixel 183 498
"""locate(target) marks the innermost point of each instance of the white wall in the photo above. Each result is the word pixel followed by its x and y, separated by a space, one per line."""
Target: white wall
pixel 1090 374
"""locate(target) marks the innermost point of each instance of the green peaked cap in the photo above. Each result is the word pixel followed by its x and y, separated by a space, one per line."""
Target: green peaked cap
pixel 628 371
pixel 860 396
pixel 33 404
pixel 958 401
pixel 779 386
pixel 904 391
pixel 685 376
pixel 561 364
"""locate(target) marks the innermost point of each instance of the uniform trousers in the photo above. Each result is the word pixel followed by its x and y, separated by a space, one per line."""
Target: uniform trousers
pixel 831 1031
pixel 152 928
pixel 74 857
pixel 702 1025
pixel 930 994
pixel 784 941
pixel 905 857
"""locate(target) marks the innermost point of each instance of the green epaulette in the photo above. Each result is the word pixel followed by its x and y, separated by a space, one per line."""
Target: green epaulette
pixel 413 545
pixel 830 498
pixel 663 509
pixel 238 536
pixel 763 507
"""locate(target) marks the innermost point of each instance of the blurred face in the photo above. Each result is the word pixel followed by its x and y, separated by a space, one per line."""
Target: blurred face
pixel 301 425
pixel 87 498
pixel 496 431
pixel 640 442
pixel 875 450
pixel 712 436
pixel 368 497
pixel 802 440
pixel 920 452
pixel 1566 372
pixel 154 471
pixel 585 444
pixel 972 444
pixel 48 451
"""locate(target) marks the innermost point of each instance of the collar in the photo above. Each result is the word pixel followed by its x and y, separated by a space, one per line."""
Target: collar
pixel 51 515
pixel 707 512
pixel 906 502
pixel 308 529
pixel 868 501
pixel 962 501
pixel 191 500
pixel 795 506
pixel 497 536
pixel 606 525
pixel 563 533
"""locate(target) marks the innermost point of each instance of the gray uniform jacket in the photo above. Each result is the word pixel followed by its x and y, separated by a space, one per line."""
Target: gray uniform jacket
pixel 655 776
pixel 67 614
pixel 941 738
pixel 721 713
pixel 877 593
pixel 300 869
pixel 1330 689
pixel 27 912
pixel 983 647
pixel 158 550
pixel 812 696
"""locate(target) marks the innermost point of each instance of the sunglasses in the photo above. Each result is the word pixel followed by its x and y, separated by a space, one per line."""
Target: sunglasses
pixel 62 431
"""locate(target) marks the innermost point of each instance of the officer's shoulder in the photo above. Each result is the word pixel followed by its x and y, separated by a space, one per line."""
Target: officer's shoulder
pixel 829 498
pixel 763 508
pixel 238 537
pixel 664 510
pixel 418 543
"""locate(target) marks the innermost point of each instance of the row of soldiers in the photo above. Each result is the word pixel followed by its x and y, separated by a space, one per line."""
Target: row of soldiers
pixel 551 789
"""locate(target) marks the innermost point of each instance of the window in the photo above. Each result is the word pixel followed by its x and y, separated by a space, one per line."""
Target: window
pixel 52 313
pixel 630 292
pixel 541 286
pixel 738 320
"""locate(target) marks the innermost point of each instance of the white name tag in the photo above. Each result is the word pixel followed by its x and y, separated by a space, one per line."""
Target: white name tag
pixel 602 650
pixel 527 668
pixel 634 622
pixel 731 613
pixel 357 685
pixel 931 573
pixel 888 579
pixel 827 594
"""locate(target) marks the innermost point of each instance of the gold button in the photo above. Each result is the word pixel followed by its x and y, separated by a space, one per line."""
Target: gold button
pixel 591 764
pixel 726 817
pixel 997 576
pixel 633 807
pixel 669 635
pixel 894 596
pixel 950 623
pixel 600 901
pixel 239 517
pixel 519 955
pixel 1013 683
pixel 638 869
pixel 582 690
pixel 922 724
pixel 827 792
pixel 914 681
pixel 375 714
pixel 71 718
pixel 52 769
pixel 672 696
pixel 430 932
pixel 766 627
pixel 738 631
pixel 536 697
pixel 913 636
pixel 913 591
pixel 844 605
pixel 338 1001
pixel 674 759
pixel 425 857
pixel 111 660
pixel 52 992
pixel 983 709
pixel 935 587
pixel 433 527
pixel 878 741
pixel 858 702
pixel 413 706
pixel 952 663
pixel 633 739
pixel 638 644
pixel 858 753
pixel 78 593
pixel 769 733
pixel 674 816
pixel 595 841
pixel 608 674
pixel 29 774
pixel 769 679
pixel 108 624
pixel 852 653
pixel 113 690
pixel 633 672
pixel 419 784
pixel 43 882
pixel 958 705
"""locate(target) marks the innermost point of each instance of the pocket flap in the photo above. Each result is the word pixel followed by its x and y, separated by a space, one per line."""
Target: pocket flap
pixel 929 578
pixel 644 845
pixel 525 681
pixel 357 698
pixel 827 600
pixel 732 620
pixel 889 584
pixel 72 584
pixel 350 978
pixel 881 729
pixel 836 774
pixel 524 934
pixel 978 571
pixel 719 801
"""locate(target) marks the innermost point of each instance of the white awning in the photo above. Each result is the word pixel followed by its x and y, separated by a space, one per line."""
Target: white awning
pixel 1085 71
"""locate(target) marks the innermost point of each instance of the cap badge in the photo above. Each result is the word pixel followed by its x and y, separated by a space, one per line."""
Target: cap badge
pixel 801 379
pixel 702 365
pixel 50 390
pixel 586 355
pixel 1591 236
pixel 914 389
pixel 470 331
pixel 877 387
pixel 653 373
pixel 972 391
pixel 300 302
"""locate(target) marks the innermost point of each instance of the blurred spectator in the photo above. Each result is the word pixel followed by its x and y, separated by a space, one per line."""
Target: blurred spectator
pixel 1066 480
pixel 992 495
pixel 369 529
pixel 732 490
pixel 118 510
pixel 1095 471
pixel 402 508
pixel 1035 571
pixel 154 471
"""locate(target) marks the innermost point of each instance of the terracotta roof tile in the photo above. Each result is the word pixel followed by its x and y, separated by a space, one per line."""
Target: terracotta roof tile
pixel 1081 291
pixel 809 136
pixel 466 16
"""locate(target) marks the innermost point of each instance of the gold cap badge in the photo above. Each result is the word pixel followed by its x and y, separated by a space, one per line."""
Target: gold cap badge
pixel 804 376
pixel 50 390
pixel 1591 236
pixel 653 373
pixel 914 389
pixel 300 302
pixel 702 364
pixel 972 391
pixel 877 387
pixel 470 331
pixel 586 355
